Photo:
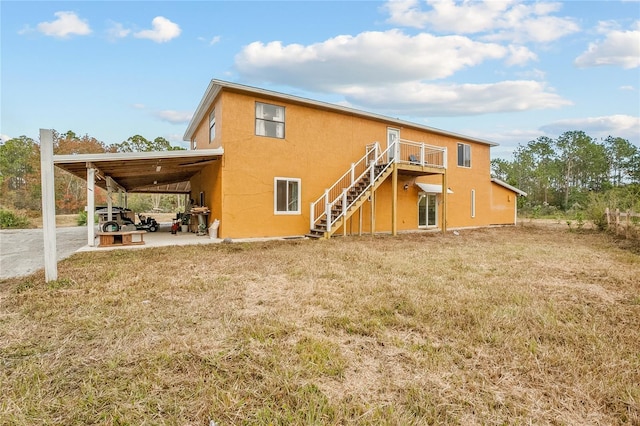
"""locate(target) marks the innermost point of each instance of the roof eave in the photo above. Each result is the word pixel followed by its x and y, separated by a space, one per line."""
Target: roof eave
pixel 509 187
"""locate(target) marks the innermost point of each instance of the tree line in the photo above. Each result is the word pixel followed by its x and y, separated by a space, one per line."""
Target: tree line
pixel 573 170
pixel 20 171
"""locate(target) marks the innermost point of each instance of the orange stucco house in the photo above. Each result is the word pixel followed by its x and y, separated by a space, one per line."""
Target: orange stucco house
pixel 294 166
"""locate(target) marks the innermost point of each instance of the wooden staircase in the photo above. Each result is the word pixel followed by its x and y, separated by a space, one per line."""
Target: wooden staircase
pixel 354 196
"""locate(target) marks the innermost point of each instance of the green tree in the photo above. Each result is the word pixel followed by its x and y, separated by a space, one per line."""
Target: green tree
pixel 138 143
pixel 19 162
pixel 622 156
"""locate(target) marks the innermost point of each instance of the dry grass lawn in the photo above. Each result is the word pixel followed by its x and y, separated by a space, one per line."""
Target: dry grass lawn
pixel 525 325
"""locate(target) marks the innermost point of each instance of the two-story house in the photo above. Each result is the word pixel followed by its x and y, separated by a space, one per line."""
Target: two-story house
pixel 294 166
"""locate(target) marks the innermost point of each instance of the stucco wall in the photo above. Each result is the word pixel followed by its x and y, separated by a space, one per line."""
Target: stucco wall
pixel 318 147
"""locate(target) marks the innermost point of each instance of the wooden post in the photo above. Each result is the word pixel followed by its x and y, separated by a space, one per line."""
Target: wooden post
pixel 607 214
pixel 360 220
pixel 394 200
pixel 91 205
pixel 617 220
pixel 372 204
pixel 444 203
pixel 48 205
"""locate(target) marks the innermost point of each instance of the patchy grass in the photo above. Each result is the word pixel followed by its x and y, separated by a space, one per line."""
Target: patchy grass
pixel 496 326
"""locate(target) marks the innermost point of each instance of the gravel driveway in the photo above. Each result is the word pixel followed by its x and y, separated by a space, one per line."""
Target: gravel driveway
pixel 22 250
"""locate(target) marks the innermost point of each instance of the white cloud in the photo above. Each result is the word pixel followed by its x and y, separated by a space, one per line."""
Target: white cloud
pixel 389 71
pixel 367 58
pixel 174 117
pixel 214 40
pixel 520 55
pixel 511 20
pixel 624 126
pixel 117 31
pixel 619 48
pixel 419 99
pixel 627 88
pixel 4 138
pixel 67 24
pixel 163 30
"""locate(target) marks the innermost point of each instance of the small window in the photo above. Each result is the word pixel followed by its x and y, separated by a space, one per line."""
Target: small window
pixel 473 203
pixel 269 120
pixel 464 155
pixel 212 126
pixel 287 196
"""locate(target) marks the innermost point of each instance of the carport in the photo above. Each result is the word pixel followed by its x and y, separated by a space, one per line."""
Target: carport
pixel 165 172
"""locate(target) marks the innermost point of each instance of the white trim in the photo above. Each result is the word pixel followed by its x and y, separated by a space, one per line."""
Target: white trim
pixel 509 187
pixel 463 155
pixel 215 86
pixel 83 158
pixel 473 203
pixel 275 195
pixel 432 188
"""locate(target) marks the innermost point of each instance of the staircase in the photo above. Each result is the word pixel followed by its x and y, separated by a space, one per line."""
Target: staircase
pixel 345 197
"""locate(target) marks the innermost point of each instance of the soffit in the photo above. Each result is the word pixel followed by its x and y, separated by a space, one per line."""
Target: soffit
pixel 151 172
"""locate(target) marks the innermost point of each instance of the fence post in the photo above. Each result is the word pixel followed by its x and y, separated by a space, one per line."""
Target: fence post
pixel 617 220
pixel 627 231
pixel 607 214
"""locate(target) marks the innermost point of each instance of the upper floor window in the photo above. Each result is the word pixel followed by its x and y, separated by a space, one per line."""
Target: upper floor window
pixel 464 155
pixel 212 125
pixel 287 196
pixel 269 120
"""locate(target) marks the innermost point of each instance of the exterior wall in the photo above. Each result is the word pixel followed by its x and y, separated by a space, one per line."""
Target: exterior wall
pixel 319 147
pixel 503 205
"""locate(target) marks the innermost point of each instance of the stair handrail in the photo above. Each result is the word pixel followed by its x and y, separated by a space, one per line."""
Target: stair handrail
pixel 318 207
pixel 371 170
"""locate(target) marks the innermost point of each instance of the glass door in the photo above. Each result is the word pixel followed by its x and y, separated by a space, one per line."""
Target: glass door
pixel 427 211
pixel 393 135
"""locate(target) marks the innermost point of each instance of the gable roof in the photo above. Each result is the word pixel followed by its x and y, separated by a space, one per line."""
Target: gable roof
pixel 216 86
pixel 509 187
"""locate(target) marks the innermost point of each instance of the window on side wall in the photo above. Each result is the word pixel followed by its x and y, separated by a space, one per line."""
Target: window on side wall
pixel 286 196
pixel 464 155
pixel 473 203
pixel 269 120
pixel 212 126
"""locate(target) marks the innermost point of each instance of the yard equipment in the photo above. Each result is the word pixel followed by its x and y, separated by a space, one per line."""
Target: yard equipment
pixel 121 221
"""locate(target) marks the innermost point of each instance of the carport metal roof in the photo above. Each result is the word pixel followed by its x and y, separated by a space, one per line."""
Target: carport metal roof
pixel 150 172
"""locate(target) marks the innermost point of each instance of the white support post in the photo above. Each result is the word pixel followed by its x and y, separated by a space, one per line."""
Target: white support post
pixel 422 154
pixel 109 201
pixel 48 205
pixel 353 172
pixel 312 215
pixel 444 158
pixel 344 212
pixel 91 205
pixel 327 210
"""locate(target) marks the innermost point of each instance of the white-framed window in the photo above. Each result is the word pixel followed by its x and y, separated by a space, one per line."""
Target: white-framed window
pixel 269 120
pixel 212 125
pixel 464 155
pixel 473 203
pixel 286 196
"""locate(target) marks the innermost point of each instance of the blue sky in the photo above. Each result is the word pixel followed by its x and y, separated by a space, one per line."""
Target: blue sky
pixel 505 71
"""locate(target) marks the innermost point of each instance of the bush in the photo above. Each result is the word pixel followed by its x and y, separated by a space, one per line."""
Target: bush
pixel 13 220
pixel 82 218
pixel 595 210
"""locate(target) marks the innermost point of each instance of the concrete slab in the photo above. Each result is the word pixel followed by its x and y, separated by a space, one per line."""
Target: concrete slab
pixel 22 250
